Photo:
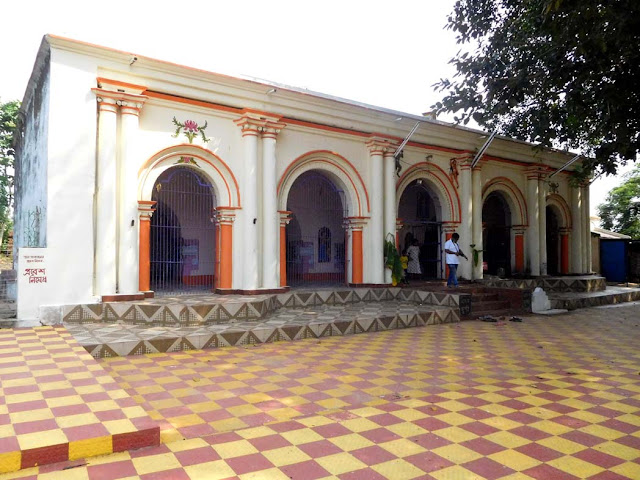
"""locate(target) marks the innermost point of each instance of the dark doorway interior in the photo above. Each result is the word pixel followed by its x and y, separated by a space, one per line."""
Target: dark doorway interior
pixel 553 242
pixel 315 234
pixel 182 234
pixel 496 235
pixel 420 211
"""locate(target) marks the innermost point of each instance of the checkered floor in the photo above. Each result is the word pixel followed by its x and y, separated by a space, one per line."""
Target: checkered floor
pixel 549 398
pixel 57 403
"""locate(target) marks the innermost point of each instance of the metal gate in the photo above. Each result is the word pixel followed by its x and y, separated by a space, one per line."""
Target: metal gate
pixel 315 235
pixel 429 237
pixel 182 233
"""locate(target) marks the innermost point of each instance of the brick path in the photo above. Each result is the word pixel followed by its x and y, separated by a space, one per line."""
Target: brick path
pixel 549 398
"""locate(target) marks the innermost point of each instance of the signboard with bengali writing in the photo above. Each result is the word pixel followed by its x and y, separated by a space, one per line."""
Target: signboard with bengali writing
pixel 33 280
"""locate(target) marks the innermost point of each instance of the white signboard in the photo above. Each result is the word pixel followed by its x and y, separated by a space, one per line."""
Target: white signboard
pixel 33 281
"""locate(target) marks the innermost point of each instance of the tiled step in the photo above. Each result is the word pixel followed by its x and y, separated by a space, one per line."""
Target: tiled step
pixel 108 340
pixel 610 296
pixel 210 309
pixel 57 403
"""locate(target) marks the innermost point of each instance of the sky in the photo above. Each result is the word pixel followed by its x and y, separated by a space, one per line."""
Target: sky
pixel 385 53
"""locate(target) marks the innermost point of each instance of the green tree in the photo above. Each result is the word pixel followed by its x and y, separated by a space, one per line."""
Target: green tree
pixel 8 123
pixel 621 210
pixel 559 73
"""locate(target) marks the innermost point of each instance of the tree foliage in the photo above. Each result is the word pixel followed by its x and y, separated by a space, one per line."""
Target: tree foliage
pixel 8 123
pixel 621 210
pixel 559 73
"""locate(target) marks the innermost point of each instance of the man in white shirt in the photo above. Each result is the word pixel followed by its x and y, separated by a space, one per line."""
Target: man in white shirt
pixel 453 251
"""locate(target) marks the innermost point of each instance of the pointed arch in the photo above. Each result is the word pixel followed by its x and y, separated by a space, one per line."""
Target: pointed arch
pixel 561 207
pixel 338 168
pixel 201 160
pixel 512 195
pixel 437 178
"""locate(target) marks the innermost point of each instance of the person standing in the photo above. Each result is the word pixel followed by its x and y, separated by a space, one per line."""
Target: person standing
pixel 413 252
pixel 452 251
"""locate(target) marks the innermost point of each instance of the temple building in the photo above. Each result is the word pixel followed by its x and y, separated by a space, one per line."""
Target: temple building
pixel 137 177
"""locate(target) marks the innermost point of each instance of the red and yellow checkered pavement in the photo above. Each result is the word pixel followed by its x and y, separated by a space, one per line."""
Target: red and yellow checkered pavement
pixel 57 403
pixel 550 398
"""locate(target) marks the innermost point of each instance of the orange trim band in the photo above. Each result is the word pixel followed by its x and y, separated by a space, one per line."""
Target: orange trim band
pixel 158 155
pixel 294 165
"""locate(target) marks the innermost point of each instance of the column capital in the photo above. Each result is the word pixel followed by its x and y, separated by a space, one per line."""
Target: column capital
pixel 537 172
pixel 354 223
pixel 379 145
pixel 463 162
pixel 130 103
pixel 224 215
pixel 271 129
pixel 254 122
pixel 285 217
pixel 399 224
pixel 146 209
pixel 565 230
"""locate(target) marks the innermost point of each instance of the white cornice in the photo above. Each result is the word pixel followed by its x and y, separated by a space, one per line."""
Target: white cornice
pixel 291 102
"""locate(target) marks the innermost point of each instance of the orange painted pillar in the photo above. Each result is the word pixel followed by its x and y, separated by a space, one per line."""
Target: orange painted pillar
pixel 283 255
pixel 285 218
pixel 226 255
pixel 145 209
pixel 564 253
pixel 216 277
pixel 356 253
pixel 519 241
pixel 224 247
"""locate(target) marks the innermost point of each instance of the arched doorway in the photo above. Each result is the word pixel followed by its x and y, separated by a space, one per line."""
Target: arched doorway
pixel 496 235
pixel 553 241
pixel 420 212
pixel 315 235
pixel 182 243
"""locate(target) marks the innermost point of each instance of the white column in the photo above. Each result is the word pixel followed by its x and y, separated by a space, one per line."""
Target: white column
pixel 533 234
pixel 542 223
pixel 576 230
pixel 249 227
pixel 375 258
pixel 270 215
pixel 106 213
pixel 476 194
pixel 390 215
pixel 128 233
pixel 466 219
pixel 586 236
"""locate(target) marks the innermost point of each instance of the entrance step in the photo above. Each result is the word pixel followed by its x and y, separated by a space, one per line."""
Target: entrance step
pixel 610 296
pixel 577 283
pixel 211 309
pixel 59 404
pixel 111 340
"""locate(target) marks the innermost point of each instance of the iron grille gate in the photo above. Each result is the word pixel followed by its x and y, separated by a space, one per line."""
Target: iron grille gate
pixel 315 235
pixel 182 233
pixel 429 237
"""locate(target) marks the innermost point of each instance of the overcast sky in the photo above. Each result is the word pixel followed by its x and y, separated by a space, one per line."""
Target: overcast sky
pixel 386 53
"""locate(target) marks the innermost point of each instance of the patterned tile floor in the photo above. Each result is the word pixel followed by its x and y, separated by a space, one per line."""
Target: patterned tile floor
pixel 549 398
pixel 117 339
pixel 57 403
